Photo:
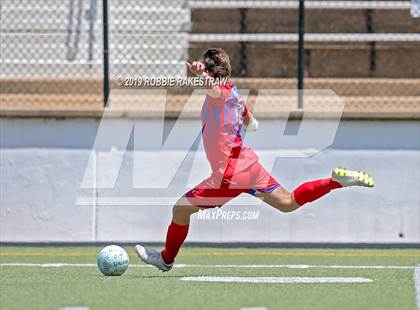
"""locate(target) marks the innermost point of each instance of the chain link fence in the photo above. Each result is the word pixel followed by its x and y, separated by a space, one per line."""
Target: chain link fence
pixel 52 51
pixel 50 55
pixel 148 38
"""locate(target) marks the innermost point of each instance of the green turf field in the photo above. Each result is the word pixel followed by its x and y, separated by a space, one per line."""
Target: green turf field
pixel 30 281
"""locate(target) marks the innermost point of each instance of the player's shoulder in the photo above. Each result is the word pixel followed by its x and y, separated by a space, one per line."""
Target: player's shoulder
pixel 228 90
pixel 226 84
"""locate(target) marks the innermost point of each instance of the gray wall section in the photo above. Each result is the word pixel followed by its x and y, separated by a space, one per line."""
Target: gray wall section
pixel 80 133
pixel 43 163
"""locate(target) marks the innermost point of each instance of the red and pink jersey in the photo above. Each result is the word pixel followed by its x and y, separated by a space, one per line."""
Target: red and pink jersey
pixel 222 131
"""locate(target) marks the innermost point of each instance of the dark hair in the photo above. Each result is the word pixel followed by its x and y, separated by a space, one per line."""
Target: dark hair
pixel 217 63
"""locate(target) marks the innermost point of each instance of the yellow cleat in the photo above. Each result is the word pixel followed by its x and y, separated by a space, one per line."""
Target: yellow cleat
pixel 352 178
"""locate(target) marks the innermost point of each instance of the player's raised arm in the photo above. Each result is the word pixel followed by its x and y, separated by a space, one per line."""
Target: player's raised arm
pixel 199 69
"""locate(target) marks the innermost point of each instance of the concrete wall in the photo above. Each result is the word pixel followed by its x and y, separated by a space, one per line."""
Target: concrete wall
pixel 43 162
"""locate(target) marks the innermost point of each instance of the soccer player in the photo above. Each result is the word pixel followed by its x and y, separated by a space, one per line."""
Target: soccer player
pixel 235 167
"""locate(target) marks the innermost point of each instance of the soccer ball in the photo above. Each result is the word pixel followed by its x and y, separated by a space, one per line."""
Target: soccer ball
pixel 112 260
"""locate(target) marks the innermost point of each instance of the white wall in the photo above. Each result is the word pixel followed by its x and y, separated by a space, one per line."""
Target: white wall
pixel 43 163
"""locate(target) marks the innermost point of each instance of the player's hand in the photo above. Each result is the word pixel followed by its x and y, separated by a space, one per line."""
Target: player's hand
pixel 251 123
pixel 197 68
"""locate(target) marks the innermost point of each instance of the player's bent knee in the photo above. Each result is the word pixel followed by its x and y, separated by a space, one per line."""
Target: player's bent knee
pixel 179 210
pixel 183 209
pixel 285 203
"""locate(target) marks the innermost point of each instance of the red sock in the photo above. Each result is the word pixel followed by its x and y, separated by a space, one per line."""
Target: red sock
pixel 313 190
pixel 174 240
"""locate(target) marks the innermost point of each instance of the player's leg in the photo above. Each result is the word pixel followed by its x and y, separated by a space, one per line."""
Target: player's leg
pixel 265 187
pixel 286 201
pixel 204 196
pixel 272 193
pixel 176 234
pixel 182 211
pixel 340 178
pixel 280 199
pixel 208 194
pixel 178 229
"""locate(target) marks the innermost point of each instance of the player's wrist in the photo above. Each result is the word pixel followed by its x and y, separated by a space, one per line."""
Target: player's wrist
pixel 252 123
pixel 203 75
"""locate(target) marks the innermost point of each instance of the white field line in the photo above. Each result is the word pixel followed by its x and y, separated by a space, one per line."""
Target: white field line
pixel 254 308
pixel 417 285
pixel 299 266
pixel 283 280
pixel 58 265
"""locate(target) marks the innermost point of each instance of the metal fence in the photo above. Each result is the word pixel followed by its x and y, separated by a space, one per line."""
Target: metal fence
pixel 53 51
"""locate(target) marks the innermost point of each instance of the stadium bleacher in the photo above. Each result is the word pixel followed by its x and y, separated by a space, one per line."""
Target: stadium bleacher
pixel 51 59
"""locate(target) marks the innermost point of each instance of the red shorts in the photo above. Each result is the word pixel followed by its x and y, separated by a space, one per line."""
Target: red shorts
pixel 216 190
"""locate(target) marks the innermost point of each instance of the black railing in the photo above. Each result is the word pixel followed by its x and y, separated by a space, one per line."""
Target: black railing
pixel 106 52
pixel 301 53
